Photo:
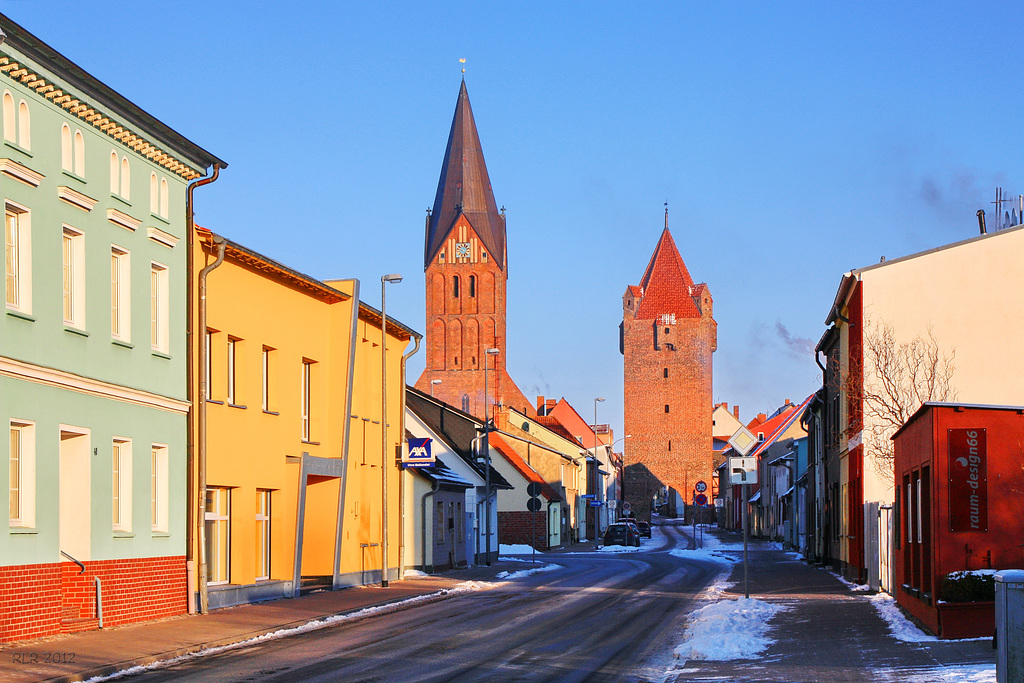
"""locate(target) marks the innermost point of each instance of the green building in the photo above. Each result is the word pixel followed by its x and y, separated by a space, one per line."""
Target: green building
pixel 93 351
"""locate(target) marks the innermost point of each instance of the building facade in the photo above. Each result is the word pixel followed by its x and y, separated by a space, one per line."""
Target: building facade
pixel 93 353
pixel 667 337
pixel 465 260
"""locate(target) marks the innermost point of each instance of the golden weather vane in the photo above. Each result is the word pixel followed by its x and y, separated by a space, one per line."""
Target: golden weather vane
pixel 462 60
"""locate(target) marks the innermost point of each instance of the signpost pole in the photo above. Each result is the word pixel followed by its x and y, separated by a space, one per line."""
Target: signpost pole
pixel 746 529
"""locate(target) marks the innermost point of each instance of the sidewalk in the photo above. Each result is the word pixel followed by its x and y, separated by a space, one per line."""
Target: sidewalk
pixel 80 656
pixel 827 633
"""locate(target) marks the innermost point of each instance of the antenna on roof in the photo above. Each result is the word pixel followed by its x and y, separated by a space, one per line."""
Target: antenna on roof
pixel 666 214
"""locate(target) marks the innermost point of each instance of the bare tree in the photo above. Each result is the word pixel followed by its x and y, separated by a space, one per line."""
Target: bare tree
pixel 896 380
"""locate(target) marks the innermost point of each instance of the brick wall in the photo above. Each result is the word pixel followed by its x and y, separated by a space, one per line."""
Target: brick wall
pixel 524 528
pixel 47 599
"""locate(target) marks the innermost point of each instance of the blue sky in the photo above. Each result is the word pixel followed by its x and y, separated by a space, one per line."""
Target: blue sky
pixel 792 141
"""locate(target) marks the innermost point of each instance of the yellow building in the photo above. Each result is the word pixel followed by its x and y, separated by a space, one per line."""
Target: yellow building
pixel 287 468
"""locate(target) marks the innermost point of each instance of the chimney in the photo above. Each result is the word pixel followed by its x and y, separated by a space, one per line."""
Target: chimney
pixel 762 417
pixel 549 405
pixel 540 405
pixel 788 402
pixel 736 412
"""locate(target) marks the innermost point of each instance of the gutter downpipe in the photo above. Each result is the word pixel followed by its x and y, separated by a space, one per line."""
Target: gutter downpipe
pixel 336 581
pixel 402 473
pixel 190 562
pixel 204 596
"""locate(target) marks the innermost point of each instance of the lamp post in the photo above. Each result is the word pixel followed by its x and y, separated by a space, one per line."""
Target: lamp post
pixel 487 457
pixel 433 383
pixel 393 278
pixel 596 478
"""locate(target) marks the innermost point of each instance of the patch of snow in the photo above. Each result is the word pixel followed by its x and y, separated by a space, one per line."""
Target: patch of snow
pixel 959 673
pixel 414 573
pixel 900 627
pixel 706 554
pixel 618 549
pixel 728 629
pixel 519 549
pixel 850 584
pixel 973 572
pixel 522 573
pixel 314 625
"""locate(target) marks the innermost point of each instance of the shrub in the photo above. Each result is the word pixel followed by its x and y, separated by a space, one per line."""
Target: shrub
pixel 969 587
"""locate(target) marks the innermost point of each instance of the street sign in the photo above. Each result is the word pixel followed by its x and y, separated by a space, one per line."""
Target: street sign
pixel 700 487
pixel 533 489
pixel 719 502
pixel 625 506
pixel 701 499
pixel 742 441
pixel 533 504
pixel 742 470
pixel 588 496
pixel 417 453
pixel 596 503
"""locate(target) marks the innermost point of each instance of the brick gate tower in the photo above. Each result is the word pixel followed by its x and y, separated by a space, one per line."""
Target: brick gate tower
pixel 667 338
pixel 466 274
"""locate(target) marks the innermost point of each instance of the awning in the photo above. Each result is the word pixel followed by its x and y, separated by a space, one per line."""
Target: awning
pixel 756 497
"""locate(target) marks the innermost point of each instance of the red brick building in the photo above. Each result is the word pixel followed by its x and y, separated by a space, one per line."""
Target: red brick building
pixel 667 337
pixel 466 279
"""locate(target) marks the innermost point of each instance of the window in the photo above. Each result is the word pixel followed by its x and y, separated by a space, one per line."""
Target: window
pixel 158 487
pixel 455 286
pixel 65 148
pixel 120 292
pixel 218 535
pixel 121 484
pixel 262 534
pixel 666 373
pixel 79 154
pixel 439 524
pixel 465 403
pixel 306 398
pixel 164 201
pixel 74 277
pixel 17 258
pixel 10 124
pixel 120 177
pixel 208 371
pixel 232 346
pixel 22 474
pixel 24 126
pixel 154 194
pixel 472 286
pixel 666 407
pixel 266 378
pixel 159 312
pixel 72 153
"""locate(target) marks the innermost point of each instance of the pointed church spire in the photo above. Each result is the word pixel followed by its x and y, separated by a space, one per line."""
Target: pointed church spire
pixel 465 189
pixel 667 286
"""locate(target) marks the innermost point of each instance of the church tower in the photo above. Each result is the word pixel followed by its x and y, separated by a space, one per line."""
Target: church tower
pixel 466 267
pixel 667 337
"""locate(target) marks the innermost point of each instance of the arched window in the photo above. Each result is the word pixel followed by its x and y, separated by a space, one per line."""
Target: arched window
pixel 24 126
pixel 65 148
pixel 126 179
pixel 472 285
pixel 163 198
pixel 115 184
pixel 455 286
pixel 79 154
pixel 154 194
pixel 465 403
pixel 10 129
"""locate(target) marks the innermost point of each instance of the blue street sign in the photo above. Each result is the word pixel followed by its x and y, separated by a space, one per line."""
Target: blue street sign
pixel 596 503
pixel 419 453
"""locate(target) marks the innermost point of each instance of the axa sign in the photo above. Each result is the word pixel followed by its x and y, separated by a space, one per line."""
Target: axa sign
pixel 968 480
pixel 418 453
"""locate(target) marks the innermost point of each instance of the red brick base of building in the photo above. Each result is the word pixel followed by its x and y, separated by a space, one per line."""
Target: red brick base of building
pixel 523 528
pixel 42 600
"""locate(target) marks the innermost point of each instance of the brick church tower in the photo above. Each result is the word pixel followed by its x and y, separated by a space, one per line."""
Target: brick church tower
pixel 466 274
pixel 667 338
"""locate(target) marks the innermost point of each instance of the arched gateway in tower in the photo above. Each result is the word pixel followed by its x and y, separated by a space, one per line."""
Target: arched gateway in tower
pixel 667 337
pixel 466 274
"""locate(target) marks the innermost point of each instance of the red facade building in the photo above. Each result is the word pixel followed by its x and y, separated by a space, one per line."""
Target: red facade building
pixel 667 337
pixel 959 475
pixel 466 280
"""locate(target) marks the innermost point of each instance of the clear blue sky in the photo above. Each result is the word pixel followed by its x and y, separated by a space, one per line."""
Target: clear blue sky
pixel 793 142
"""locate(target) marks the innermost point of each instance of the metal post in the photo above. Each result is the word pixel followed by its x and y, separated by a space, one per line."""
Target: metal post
pixel 746 585
pixel 395 278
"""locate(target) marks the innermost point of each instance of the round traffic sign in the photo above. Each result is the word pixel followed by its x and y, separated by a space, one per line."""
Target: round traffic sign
pixel 701 499
pixel 533 488
pixel 533 504
pixel 700 487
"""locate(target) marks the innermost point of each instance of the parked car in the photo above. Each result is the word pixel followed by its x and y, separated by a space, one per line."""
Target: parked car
pixel 645 529
pixel 622 533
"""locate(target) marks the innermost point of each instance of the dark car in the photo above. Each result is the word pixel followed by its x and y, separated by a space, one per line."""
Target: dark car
pixel 622 533
pixel 645 529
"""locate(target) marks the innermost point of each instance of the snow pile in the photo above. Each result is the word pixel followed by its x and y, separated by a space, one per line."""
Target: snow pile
pixel 962 673
pixel 520 549
pixel 729 629
pixel 900 627
pixel 618 549
pixel 522 573
pixel 706 554
pixel 850 584
pixel 414 573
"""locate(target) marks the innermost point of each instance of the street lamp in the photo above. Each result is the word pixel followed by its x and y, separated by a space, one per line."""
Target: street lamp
pixel 596 478
pixel 433 383
pixel 393 278
pixel 487 456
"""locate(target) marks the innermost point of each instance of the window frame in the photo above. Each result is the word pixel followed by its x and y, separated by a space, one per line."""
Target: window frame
pixel 218 518
pixel 24 515
pixel 159 488
pixel 307 399
pixel 232 374
pixel 17 257
pixel 263 528
pixel 73 263
pixel 120 294
pixel 121 484
pixel 159 307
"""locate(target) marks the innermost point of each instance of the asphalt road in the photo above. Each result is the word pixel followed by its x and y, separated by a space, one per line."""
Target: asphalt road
pixel 600 617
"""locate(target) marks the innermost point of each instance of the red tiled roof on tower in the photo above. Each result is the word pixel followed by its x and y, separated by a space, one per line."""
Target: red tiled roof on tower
pixel 465 188
pixel 667 285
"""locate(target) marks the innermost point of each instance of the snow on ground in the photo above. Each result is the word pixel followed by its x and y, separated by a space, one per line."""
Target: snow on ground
pixel 728 629
pixel 314 625
pixel 414 573
pixel 520 549
pixel 961 673
pixel 850 584
pixel 522 573
pixel 705 554
pixel 900 627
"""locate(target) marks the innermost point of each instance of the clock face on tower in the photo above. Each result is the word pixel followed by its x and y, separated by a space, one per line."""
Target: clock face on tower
pixel 462 250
